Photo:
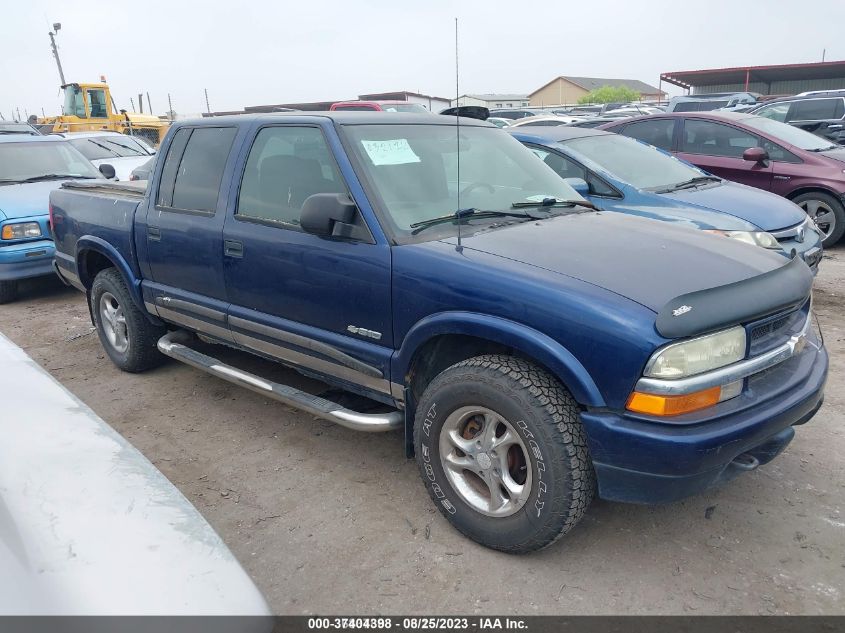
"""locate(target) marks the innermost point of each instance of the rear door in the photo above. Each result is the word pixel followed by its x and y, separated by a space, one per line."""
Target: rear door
pixel 181 243
pixel 323 304
pixel 654 131
pixel 718 148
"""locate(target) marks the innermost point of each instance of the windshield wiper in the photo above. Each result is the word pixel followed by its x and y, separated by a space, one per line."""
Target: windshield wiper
pixel 51 177
pixel 547 203
pixel 460 214
pixel 825 149
pixel 692 182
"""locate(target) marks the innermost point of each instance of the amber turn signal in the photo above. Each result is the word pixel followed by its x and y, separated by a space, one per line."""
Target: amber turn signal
pixel 653 404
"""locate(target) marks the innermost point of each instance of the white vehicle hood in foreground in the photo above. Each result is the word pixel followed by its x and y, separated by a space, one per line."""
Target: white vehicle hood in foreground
pixel 89 526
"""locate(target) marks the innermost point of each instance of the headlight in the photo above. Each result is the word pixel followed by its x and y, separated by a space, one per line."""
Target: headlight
pixel 755 238
pixel 706 353
pixel 21 230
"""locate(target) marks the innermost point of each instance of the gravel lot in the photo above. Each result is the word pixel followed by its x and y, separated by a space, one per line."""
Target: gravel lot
pixel 328 520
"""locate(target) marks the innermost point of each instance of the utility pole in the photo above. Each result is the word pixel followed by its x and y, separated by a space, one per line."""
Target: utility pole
pixel 132 101
pixel 56 27
pixel 150 108
pixel 169 107
pixel 141 102
pixel 207 107
pixel 824 51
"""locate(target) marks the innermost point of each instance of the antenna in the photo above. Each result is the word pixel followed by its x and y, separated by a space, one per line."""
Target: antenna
pixel 458 214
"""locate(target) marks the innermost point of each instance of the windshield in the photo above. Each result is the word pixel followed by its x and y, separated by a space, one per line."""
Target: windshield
pixel 17 128
pixel 633 162
pixel 20 161
pixel 109 146
pixel 74 104
pixel 413 172
pixel 788 134
pixel 404 107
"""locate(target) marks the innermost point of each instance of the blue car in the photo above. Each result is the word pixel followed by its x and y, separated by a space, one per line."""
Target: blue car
pixel 30 168
pixel 621 174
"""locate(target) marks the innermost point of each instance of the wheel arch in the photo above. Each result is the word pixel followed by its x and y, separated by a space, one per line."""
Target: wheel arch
pixel 801 190
pixel 93 255
pixel 442 340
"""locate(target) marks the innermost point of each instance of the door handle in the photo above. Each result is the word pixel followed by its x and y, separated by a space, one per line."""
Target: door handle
pixel 233 248
pixel 153 233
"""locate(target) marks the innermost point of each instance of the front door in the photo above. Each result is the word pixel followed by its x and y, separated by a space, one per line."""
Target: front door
pixel 181 240
pixel 718 148
pixel 321 304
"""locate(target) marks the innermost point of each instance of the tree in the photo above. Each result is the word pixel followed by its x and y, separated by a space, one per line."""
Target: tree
pixel 610 94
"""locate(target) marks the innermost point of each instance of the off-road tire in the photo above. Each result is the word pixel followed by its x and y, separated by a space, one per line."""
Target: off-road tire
pixel 548 421
pixel 8 291
pixel 836 207
pixel 142 353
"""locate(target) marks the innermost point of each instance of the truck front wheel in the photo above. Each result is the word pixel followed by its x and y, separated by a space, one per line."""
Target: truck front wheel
pixel 8 291
pixel 502 451
pixel 125 332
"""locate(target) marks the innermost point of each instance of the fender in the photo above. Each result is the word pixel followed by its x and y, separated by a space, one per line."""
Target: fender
pixel 99 245
pixel 528 341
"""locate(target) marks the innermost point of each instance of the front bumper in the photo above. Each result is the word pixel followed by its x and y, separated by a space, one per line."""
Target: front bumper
pixel 26 259
pixel 809 248
pixel 638 460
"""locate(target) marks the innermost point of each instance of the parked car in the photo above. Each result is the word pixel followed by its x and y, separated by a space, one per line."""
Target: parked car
pixel 513 113
pixel 822 113
pixel 31 167
pixel 499 121
pixel 534 351
pixel 711 101
pixel 618 173
pixel 91 527
pixel 632 110
pixel 755 151
pixel 544 121
pixel 379 106
pixel 13 127
pixel 122 152
pixel 144 171
pixel 592 122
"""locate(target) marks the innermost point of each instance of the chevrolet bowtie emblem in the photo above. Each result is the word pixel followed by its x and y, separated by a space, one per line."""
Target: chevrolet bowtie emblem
pixel 681 310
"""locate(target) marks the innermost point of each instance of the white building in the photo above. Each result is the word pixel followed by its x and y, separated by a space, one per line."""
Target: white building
pixel 493 101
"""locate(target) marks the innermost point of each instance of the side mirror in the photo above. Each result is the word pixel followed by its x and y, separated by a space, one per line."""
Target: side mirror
pixel 579 185
pixel 755 155
pixel 328 215
pixel 108 171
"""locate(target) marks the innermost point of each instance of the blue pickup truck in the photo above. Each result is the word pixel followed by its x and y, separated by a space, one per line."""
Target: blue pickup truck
pixel 535 351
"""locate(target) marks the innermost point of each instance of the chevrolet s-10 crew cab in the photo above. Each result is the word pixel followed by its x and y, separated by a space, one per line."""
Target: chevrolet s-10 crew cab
pixel 535 351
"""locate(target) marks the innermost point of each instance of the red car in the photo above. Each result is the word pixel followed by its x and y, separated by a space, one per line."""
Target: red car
pixel 763 153
pixel 380 106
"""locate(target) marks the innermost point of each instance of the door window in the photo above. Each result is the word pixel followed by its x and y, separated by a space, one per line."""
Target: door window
pixel 817 109
pixel 193 168
pixel 285 166
pixel 564 167
pixel 776 111
pixel 657 132
pixel 715 139
pixel 97 104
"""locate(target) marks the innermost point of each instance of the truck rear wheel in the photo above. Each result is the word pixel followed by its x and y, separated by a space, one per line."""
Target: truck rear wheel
pixel 502 451
pixel 8 291
pixel 125 332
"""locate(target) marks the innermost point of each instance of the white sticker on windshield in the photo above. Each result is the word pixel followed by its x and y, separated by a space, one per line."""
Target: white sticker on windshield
pixel 539 198
pixel 392 152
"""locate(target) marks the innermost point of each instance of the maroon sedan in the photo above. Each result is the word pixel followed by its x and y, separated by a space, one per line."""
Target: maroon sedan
pixel 756 151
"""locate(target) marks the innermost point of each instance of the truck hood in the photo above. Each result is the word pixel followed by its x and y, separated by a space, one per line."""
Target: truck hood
pixel 27 199
pixel 766 210
pixel 643 260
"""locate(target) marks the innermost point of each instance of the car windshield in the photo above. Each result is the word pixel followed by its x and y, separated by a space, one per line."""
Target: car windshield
pixel 413 172
pixel 404 107
pixel 633 162
pixel 109 146
pixel 16 128
pixel 788 134
pixel 24 161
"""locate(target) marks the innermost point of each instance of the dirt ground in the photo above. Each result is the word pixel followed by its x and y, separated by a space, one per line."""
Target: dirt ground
pixel 327 520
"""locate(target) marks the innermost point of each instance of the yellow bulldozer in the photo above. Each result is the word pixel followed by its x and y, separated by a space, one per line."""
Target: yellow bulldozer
pixel 90 107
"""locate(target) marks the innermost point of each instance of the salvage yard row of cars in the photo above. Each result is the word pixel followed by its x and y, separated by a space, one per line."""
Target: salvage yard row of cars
pixel 548 313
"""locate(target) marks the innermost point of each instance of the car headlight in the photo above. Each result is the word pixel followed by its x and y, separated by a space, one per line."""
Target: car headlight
pixel 755 238
pixel 21 230
pixel 698 355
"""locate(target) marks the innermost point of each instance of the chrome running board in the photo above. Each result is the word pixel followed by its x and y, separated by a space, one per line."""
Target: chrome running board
pixel 174 345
